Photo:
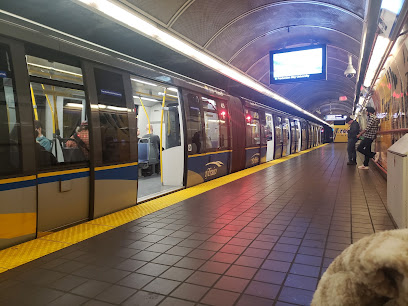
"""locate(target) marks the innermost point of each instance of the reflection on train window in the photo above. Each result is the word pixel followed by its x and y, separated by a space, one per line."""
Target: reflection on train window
pixel 9 120
pixel 224 135
pixel 61 127
pixel 194 125
pixel 209 104
pixel 113 117
pixel 252 128
pixel 212 130
pixel 54 71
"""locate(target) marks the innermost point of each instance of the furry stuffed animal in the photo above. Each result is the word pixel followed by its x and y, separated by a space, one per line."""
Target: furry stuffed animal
pixel 372 271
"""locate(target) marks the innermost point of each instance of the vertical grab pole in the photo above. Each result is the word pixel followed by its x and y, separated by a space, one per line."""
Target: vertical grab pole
pixel 161 136
pixel 52 111
pixel 34 104
pixel 148 120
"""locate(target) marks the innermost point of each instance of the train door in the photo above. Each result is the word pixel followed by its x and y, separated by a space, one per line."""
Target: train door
pixel 237 122
pixel 293 137
pixel 299 135
pixel 269 137
pixel 310 136
pixel 62 141
pixel 278 137
pixel 286 137
pixel 253 138
pixel 262 123
pixel 315 140
pixel 304 135
pixel 208 142
pixel 114 141
pixel 160 138
pixel 18 213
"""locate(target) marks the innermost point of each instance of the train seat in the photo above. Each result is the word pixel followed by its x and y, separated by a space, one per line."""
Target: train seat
pixel 148 157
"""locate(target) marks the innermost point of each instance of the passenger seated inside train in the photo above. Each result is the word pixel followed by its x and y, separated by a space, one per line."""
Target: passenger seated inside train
pixel 40 138
pixel 81 138
pixel 153 139
pixel 43 147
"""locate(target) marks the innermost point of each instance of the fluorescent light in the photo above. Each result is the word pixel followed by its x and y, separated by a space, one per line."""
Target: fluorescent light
pixel 75 105
pixel 148 99
pixel 380 46
pixel 143 82
pixel 132 20
pixel 393 6
pixel 54 69
pixel 172 89
pixel 116 108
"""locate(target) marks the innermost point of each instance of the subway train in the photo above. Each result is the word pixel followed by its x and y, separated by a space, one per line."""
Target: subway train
pixel 86 131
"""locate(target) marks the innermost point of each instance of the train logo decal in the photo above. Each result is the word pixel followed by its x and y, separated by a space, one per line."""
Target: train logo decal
pixel 212 168
pixel 255 158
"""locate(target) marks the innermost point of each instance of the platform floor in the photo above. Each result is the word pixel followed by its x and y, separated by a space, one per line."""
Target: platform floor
pixel 264 239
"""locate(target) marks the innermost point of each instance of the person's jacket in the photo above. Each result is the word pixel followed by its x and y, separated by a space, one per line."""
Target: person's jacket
pixel 354 130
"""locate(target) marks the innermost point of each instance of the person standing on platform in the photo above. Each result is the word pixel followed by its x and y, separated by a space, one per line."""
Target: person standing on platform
pixel 352 139
pixel 369 135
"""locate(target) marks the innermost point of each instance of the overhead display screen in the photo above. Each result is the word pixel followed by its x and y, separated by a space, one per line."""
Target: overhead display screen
pixel 298 64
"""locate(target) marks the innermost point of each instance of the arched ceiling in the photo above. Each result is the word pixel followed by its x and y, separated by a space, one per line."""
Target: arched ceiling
pixel 241 33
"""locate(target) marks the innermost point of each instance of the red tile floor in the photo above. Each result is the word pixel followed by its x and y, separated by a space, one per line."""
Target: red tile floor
pixel 262 240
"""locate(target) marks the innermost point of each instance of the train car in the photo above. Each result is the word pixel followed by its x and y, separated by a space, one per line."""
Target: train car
pixel 86 131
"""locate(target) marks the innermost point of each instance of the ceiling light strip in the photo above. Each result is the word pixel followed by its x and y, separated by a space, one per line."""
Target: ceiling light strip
pixel 131 19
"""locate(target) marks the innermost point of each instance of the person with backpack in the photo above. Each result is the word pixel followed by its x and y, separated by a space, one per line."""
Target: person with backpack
pixel 370 133
pixel 353 131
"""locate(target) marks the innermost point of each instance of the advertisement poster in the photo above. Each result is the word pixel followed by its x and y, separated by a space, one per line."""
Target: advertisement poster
pixel 340 132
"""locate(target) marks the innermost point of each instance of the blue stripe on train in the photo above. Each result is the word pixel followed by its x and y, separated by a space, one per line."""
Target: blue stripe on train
pixel 17 185
pixel 62 177
pixel 252 157
pixel 123 173
pixel 210 166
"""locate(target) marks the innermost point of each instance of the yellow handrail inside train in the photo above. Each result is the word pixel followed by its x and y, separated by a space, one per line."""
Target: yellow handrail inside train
pixel 161 136
pixel 34 104
pixel 168 124
pixel 147 116
pixel 52 111
pixel 55 120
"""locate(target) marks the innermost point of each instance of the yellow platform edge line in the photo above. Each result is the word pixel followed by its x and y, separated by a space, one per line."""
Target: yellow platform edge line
pixel 25 252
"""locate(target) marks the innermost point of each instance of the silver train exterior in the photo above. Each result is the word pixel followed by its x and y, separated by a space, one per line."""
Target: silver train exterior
pixel 55 86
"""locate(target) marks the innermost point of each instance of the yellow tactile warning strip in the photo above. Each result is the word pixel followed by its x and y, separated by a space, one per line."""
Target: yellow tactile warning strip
pixel 34 249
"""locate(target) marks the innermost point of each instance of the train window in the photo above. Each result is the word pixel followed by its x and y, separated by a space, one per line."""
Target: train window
pixel 61 126
pixel 113 117
pixel 224 135
pixel 252 128
pixel 212 130
pixel 268 127
pixel 46 69
pixel 194 125
pixel 212 124
pixel 10 148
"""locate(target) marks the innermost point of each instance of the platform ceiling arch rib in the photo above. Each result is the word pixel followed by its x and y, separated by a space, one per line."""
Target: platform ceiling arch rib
pixel 242 32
